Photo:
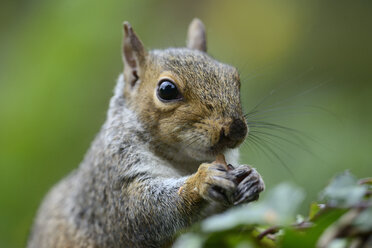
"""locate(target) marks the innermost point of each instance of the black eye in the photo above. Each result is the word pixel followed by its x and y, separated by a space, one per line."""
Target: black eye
pixel 167 91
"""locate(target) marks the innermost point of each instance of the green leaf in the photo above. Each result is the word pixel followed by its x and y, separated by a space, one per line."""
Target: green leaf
pixel 244 244
pixel 277 208
pixel 189 240
pixel 230 238
pixel 344 191
pixel 237 237
pixel 294 238
pixel 315 208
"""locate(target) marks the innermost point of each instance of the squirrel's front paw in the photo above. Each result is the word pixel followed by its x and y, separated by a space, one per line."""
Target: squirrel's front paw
pixel 223 184
pixel 249 184
pixel 212 183
pixel 216 184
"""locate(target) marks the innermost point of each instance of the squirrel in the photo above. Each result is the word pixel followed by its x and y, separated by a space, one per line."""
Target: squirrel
pixel 148 174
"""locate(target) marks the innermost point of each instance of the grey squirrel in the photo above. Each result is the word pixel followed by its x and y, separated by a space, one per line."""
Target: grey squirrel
pixel 149 172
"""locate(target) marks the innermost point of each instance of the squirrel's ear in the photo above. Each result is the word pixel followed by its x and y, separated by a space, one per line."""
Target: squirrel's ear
pixel 196 37
pixel 134 55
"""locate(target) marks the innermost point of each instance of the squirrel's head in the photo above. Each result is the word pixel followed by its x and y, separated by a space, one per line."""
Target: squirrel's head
pixel 185 99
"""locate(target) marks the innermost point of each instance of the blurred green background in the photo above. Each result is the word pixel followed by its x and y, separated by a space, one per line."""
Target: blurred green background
pixel 59 61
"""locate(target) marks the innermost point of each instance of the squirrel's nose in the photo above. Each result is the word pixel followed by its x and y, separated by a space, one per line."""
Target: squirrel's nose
pixel 234 133
pixel 237 130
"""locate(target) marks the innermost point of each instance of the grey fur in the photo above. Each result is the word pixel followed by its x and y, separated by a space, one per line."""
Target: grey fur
pixel 125 192
pixel 92 207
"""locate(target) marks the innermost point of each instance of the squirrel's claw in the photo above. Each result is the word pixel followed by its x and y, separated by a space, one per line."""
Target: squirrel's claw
pixel 250 184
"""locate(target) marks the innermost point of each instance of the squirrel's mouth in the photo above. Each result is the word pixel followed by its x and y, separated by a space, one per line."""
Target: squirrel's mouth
pixel 202 150
pixel 232 138
pixel 221 147
pixel 224 143
pixel 209 153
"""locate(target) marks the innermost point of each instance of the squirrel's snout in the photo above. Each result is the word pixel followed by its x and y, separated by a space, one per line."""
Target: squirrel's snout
pixel 233 134
pixel 238 130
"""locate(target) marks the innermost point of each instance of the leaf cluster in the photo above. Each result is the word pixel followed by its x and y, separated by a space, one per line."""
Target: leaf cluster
pixel 342 217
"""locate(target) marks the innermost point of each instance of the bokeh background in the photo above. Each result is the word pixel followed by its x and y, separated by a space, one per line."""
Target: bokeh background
pixel 309 60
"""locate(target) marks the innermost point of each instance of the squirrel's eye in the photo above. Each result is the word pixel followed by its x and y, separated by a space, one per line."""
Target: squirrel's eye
pixel 167 91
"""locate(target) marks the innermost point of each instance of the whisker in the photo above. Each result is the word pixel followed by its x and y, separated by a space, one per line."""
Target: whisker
pixel 296 96
pixel 271 126
pixel 249 144
pixel 257 141
pixel 277 109
pixel 300 94
pixel 255 144
pixel 297 134
pixel 255 108
pixel 270 138
pixel 277 136
pixel 277 145
pixel 264 144
pixel 271 93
